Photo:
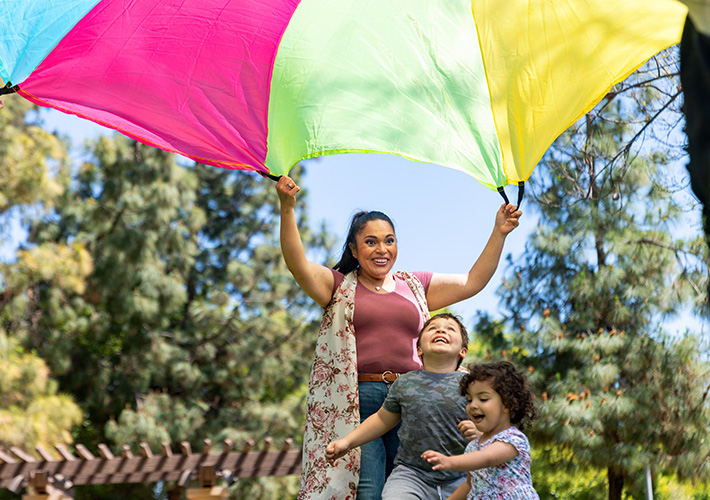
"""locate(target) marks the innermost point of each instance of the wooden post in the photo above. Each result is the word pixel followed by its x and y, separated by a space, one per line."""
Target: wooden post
pixel 208 489
pixel 40 489
pixel 207 493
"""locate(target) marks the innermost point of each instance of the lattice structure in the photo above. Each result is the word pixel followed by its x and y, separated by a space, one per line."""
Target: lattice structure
pixel 52 478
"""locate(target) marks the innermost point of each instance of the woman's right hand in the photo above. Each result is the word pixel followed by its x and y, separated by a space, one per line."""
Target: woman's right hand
pixel 336 449
pixel 287 189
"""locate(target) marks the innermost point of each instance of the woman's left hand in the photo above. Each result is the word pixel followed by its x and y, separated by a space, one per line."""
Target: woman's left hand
pixel 507 218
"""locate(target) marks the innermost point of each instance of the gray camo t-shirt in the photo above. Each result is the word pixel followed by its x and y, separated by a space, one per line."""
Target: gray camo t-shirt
pixel 431 407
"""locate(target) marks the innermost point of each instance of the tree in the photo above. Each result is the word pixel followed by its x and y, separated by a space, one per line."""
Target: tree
pixel 189 325
pixel 32 160
pixel 27 396
pixel 617 394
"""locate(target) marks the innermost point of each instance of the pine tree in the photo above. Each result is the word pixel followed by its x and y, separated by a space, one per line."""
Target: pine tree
pixel 188 325
pixel 617 393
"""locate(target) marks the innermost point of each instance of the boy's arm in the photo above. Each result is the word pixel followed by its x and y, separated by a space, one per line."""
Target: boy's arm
pixel 462 491
pixel 373 427
pixel 494 454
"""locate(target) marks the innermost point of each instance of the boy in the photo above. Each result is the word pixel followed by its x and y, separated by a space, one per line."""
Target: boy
pixel 430 407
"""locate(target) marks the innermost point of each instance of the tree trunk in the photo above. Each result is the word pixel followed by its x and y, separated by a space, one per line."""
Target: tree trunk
pixel 616 484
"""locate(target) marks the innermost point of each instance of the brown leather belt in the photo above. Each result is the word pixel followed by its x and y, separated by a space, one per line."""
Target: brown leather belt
pixel 387 377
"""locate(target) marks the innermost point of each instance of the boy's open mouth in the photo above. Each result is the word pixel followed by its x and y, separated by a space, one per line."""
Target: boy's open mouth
pixel 477 419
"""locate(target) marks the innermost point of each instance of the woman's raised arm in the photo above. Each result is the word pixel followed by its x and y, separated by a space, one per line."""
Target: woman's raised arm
pixel 447 289
pixel 314 279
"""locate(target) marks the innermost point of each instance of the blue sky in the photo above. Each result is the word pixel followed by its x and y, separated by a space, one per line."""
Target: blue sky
pixel 443 217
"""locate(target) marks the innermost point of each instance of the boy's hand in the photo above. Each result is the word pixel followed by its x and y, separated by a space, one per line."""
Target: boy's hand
pixel 336 449
pixel 441 462
pixel 507 218
pixel 468 429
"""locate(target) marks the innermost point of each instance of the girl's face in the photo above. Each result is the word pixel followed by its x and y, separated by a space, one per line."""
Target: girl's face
pixel 375 249
pixel 485 408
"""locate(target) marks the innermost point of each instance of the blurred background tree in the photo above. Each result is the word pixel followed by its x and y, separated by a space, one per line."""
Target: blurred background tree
pixel 157 296
pixel 604 266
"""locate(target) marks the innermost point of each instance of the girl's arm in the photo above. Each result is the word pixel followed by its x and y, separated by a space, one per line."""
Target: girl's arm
pixel 447 289
pixel 314 279
pixel 494 454
pixel 462 491
pixel 373 427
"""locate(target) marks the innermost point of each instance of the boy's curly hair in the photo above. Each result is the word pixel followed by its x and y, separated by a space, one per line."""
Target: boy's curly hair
pixel 510 384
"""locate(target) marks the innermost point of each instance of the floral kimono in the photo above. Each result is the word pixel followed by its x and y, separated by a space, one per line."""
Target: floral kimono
pixel 333 408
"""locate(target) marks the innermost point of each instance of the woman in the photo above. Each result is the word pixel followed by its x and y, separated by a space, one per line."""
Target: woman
pixel 364 348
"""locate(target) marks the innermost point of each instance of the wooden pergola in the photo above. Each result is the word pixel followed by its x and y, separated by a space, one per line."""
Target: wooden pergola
pixel 54 479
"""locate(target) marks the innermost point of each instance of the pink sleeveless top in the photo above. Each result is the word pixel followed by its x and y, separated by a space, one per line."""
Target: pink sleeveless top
pixel 387 326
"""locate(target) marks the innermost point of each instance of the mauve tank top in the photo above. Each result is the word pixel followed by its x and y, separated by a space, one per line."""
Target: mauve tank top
pixel 387 326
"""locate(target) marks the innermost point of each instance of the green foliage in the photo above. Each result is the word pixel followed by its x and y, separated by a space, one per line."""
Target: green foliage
pixel 616 393
pixel 159 299
pixel 27 396
pixel 32 160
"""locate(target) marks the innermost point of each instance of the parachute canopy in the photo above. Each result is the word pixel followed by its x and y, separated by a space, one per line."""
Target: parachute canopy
pixel 483 86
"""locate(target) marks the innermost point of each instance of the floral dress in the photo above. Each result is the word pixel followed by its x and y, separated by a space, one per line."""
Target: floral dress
pixel 508 481
pixel 332 407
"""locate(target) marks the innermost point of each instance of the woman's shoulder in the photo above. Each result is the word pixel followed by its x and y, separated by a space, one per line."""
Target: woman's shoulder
pixel 424 277
pixel 338 278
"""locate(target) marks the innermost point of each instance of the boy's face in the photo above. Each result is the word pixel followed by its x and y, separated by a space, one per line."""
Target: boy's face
pixel 442 336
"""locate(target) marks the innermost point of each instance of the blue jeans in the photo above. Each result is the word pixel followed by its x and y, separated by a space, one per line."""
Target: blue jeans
pixel 377 457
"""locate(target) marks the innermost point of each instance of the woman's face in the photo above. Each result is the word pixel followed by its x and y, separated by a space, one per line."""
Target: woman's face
pixel 375 249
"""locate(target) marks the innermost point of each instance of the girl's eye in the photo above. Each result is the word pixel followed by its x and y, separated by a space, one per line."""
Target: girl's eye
pixel 390 240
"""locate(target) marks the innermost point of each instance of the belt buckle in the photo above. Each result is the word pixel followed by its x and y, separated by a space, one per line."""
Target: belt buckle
pixel 384 375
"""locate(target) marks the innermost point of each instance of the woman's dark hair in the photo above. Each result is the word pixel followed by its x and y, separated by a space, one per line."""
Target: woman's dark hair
pixel 347 262
pixel 510 384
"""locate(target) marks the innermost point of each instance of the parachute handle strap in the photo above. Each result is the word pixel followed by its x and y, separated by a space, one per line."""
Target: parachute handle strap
pixel 273 177
pixel 502 193
pixel 521 193
pixel 9 88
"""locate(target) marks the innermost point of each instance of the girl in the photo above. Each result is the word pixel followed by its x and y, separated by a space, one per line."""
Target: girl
pixel 498 462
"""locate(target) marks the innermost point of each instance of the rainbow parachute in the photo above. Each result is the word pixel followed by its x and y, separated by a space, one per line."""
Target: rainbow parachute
pixel 484 86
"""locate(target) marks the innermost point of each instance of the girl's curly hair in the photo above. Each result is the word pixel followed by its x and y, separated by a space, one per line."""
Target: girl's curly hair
pixel 510 384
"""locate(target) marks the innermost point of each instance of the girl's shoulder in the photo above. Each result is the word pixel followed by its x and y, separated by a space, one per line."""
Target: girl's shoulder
pixel 512 435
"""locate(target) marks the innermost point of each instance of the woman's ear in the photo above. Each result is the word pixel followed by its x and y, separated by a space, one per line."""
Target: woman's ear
pixel 353 249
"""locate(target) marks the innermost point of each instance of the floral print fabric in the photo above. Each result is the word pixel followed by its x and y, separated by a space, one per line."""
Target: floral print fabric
pixel 508 481
pixel 332 407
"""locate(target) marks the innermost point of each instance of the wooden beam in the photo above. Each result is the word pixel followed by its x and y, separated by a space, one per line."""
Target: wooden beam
pixel 145 450
pixel 64 452
pixel 84 453
pixel 105 452
pixel 130 469
pixel 19 453
pixel 46 456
